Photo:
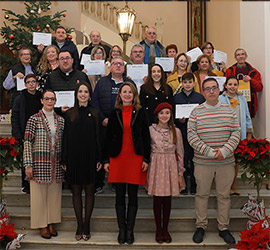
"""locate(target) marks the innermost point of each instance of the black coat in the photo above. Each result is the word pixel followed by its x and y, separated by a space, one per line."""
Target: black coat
pixel 140 135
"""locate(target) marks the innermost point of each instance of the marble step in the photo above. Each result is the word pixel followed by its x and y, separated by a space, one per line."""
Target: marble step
pixel 105 240
pixel 104 219
pixel 107 199
pixel 5 129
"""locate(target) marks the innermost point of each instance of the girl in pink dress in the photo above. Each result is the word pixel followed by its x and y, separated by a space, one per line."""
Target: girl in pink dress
pixel 165 174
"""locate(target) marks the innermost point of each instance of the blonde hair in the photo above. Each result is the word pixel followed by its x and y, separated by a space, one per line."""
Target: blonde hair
pixel 94 51
pixel 136 99
pixel 44 64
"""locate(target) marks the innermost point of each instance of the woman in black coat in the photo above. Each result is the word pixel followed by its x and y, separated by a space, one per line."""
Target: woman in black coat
pixel 155 91
pixel 81 155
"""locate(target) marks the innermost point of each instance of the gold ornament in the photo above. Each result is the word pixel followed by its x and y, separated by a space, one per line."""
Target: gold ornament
pixel 48 25
pixel 6 16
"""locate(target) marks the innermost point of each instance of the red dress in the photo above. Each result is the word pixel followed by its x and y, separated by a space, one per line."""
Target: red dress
pixel 127 166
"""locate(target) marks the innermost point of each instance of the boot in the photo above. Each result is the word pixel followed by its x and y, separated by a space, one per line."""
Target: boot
pixel 131 216
pixel 121 219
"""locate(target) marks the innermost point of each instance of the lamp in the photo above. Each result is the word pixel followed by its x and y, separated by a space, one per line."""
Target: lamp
pixel 125 18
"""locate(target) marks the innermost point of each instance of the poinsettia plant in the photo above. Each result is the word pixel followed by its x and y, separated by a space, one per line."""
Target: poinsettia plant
pixel 253 156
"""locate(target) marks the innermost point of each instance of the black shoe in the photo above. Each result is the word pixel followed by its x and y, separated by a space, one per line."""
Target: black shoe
pixel 184 192
pixel 227 237
pixel 121 220
pixel 130 237
pixel 25 190
pixel 99 190
pixel 193 190
pixel 198 235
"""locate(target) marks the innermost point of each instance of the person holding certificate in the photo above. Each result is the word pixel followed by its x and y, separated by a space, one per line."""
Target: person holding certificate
pixel 204 63
pixel 115 51
pixel 155 91
pixel 175 78
pixel 81 158
pixel 18 72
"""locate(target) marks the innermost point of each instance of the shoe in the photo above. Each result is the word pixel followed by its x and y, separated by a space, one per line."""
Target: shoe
pixel 184 192
pixel 52 230
pixel 86 237
pixel 193 190
pixel 25 190
pixel 167 237
pixel 159 236
pixel 78 237
pixel 130 237
pixel 198 235
pixel 45 233
pixel 131 216
pixel 234 192
pixel 99 190
pixel 227 237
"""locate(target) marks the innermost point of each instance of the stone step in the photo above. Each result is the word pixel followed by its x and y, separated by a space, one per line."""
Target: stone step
pixel 107 199
pixel 105 240
pixel 5 129
pixel 104 219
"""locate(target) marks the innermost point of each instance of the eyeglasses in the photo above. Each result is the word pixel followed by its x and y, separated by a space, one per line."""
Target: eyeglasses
pixel 31 82
pixel 99 53
pixel 208 89
pixel 241 54
pixel 66 58
pixel 117 63
pixel 208 48
pixel 183 61
pixel 137 52
pixel 151 33
pixel 25 54
pixel 49 99
pixel 116 51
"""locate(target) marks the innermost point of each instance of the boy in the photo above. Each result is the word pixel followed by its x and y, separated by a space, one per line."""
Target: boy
pixel 187 96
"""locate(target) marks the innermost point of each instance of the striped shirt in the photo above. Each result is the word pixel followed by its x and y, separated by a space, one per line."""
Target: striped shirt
pixel 212 127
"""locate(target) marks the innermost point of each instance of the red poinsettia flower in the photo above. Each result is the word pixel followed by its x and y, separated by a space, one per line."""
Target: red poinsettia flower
pixel 1 171
pixel 12 141
pixel 13 152
pixel 7 231
pixel 251 155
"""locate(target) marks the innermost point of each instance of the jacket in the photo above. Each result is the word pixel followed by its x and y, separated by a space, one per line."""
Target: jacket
pixel 245 120
pixel 140 135
pixel 255 85
pixel 39 152
pixel 174 83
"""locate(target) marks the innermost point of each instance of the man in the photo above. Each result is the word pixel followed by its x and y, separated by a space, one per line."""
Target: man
pixel 244 71
pixel 152 47
pixel 214 133
pixel 95 38
pixel 104 98
pixel 26 104
pixel 63 43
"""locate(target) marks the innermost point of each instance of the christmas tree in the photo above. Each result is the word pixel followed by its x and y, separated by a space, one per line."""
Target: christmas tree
pixel 19 30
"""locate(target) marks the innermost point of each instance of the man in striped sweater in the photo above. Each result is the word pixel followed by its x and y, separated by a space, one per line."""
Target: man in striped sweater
pixel 214 133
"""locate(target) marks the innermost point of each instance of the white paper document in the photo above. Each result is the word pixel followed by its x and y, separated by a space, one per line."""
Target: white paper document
pixel 194 54
pixel 64 98
pixel 20 84
pixel 96 67
pixel 184 110
pixel 167 63
pixel 85 58
pixel 42 38
pixel 220 56
pixel 137 71
pixel 220 79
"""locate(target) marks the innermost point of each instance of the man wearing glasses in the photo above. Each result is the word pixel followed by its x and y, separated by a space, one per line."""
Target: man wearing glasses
pixel 152 47
pixel 26 104
pixel 214 133
pixel 244 71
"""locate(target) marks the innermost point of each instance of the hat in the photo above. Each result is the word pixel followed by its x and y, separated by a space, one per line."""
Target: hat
pixel 163 105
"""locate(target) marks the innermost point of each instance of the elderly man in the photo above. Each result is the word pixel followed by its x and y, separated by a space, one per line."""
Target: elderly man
pixel 95 38
pixel 61 42
pixel 244 71
pixel 104 98
pixel 214 133
pixel 152 47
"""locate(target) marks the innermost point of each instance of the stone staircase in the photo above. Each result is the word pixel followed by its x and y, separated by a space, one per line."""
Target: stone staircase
pixel 104 225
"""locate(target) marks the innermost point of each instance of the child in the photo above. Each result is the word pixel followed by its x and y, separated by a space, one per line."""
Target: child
pixel 165 174
pixel 187 96
pixel 239 103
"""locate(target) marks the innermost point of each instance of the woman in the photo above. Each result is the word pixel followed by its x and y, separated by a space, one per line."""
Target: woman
pixel 20 70
pixel 115 51
pixel 81 158
pixel 175 78
pixel 48 62
pixel 204 63
pixel 155 91
pixel 218 68
pixel 127 138
pixel 41 159
pixel 171 50
pixel 239 104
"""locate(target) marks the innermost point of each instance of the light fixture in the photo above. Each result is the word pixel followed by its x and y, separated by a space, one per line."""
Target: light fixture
pixel 126 18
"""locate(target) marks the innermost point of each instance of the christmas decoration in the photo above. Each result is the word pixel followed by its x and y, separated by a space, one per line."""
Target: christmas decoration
pixel 11 37
pixel 39 10
pixel 48 26
pixel 64 15
pixel 70 37
pixel 32 11
pixel 38 27
pixel 6 16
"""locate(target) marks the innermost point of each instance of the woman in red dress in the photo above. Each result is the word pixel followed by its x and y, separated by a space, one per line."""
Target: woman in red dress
pixel 126 156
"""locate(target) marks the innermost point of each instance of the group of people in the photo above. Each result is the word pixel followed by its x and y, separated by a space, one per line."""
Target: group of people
pixel 127 128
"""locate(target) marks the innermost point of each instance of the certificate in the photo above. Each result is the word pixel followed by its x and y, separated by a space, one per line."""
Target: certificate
pixel 167 63
pixel 96 67
pixel 194 54
pixel 220 56
pixel 42 38
pixel 220 79
pixel 85 59
pixel 20 83
pixel 184 110
pixel 244 88
pixel 64 98
pixel 137 71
